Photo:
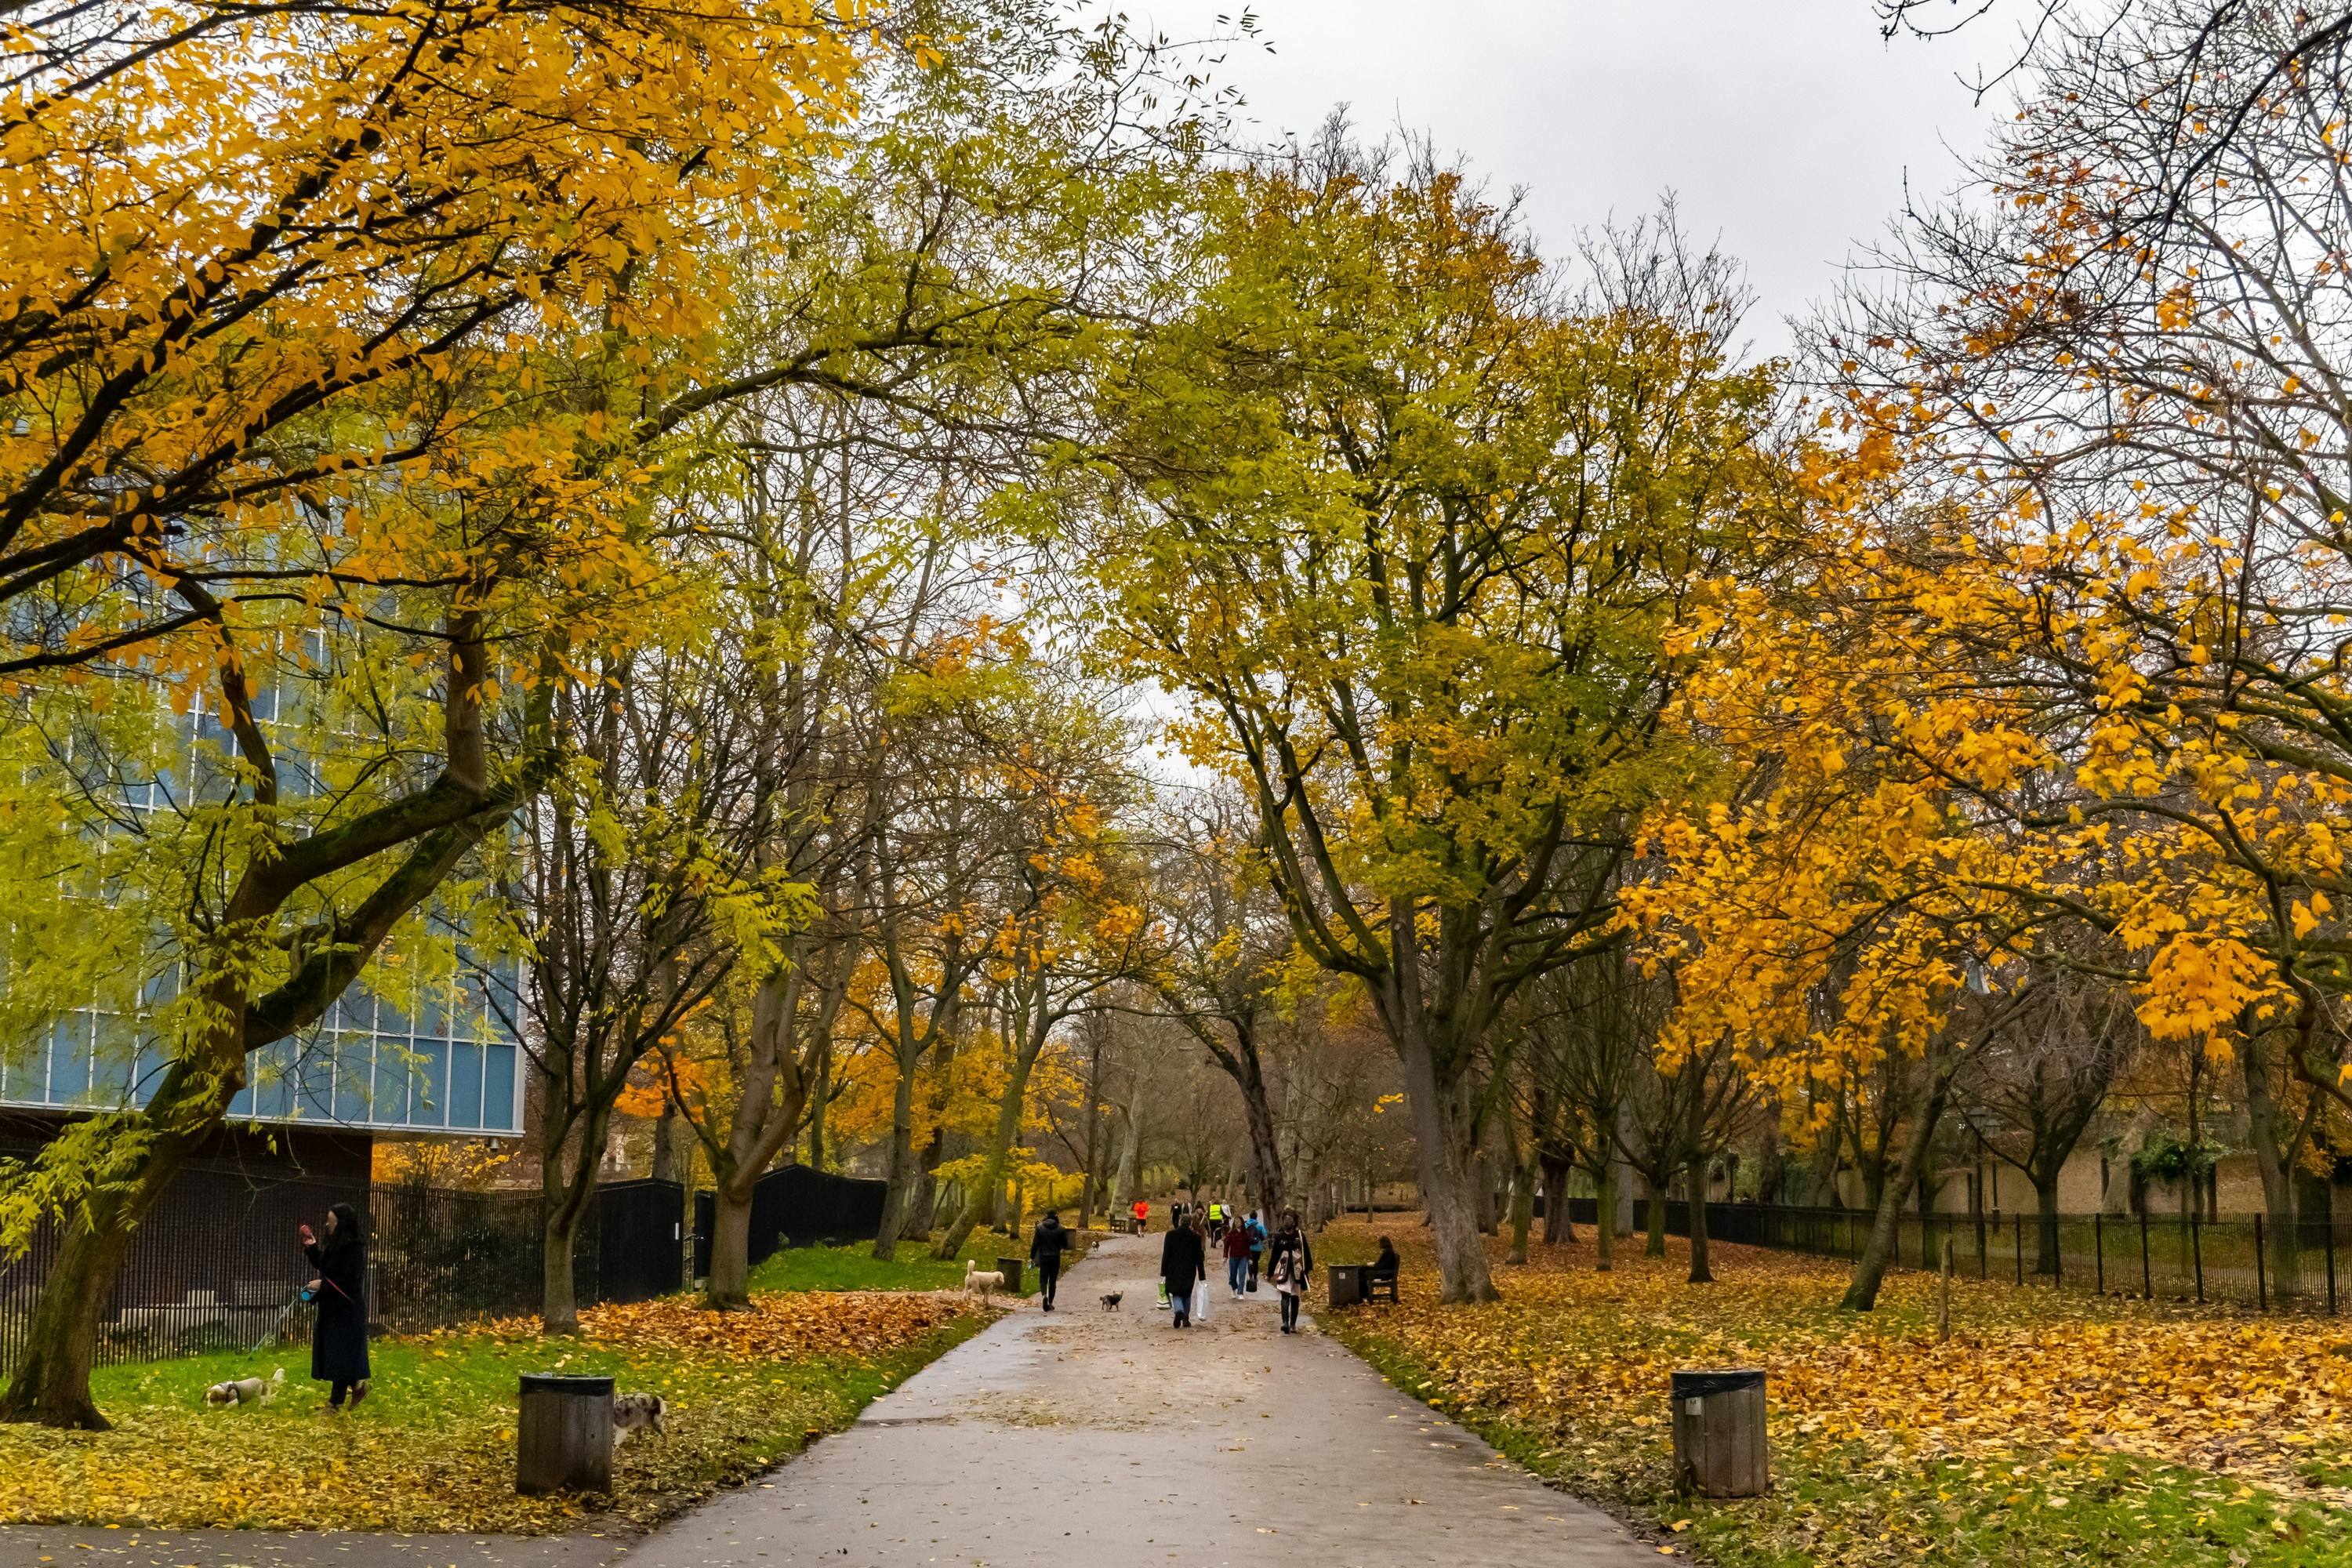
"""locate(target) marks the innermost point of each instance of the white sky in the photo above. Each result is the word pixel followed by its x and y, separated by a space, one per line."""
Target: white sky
pixel 1785 127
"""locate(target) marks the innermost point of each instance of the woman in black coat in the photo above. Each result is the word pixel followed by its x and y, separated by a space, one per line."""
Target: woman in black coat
pixel 1183 1262
pixel 339 1350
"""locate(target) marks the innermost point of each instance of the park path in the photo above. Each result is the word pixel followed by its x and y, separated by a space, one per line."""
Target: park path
pixel 1086 1437
pixel 1081 1439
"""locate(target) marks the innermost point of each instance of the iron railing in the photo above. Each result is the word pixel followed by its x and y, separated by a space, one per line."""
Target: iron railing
pixel 2186 1257
pixel 215 1263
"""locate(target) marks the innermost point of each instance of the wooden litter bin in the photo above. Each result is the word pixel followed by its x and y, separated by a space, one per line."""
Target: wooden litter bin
pixel 1718 1420
pixel 563 1439
pixel 1011 1268
pixel 1347 1283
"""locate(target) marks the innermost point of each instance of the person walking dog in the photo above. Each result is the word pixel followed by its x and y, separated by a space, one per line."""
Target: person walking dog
pixel 338 1347
pixel 1182 1263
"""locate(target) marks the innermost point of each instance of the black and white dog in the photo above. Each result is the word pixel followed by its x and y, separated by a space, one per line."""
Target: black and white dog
pixel 637 1412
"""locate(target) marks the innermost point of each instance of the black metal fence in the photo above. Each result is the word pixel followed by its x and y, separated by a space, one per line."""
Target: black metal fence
pixel 216 1266
pixel 796 1206
pixel 2166 1256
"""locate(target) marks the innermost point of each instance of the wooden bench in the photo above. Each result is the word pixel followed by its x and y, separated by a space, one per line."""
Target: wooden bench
pixel 1377 1280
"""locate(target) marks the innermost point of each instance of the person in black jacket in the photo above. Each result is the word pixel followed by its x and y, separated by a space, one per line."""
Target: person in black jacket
pixel 339 1348
pixel 1046 1249
pixel 1183 1262
pixel 1290 1263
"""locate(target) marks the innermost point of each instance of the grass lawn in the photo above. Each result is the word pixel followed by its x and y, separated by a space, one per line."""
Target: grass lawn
pixel 2055 1428
pixel 432 1448
pixel 857 1268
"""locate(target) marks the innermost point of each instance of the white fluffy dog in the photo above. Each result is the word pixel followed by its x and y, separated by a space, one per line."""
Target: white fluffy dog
pixel 246 1391
pixel 979 1283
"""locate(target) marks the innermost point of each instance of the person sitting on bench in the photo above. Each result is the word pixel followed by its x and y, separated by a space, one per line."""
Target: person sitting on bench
pixel 1382 1274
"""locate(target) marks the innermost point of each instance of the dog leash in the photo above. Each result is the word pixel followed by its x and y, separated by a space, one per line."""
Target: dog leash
pixel 279 1321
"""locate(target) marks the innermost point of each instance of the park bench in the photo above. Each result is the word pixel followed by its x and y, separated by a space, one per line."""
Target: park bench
pixel 1379 1279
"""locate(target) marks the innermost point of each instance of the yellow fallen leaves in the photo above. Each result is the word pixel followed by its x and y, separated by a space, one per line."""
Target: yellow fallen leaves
pixel 1579 1355
pixel 432 1448
pixel 783 1327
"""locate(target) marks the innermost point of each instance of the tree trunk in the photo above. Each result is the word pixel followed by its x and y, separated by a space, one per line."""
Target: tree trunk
pixel 51 1381
pixel 563 1205
pixel 558 1302
pixel 1870 1271
pixel 1694 1178
pixel 1441 1150
pixel 1604 1210
pixel 2272 1164
pixel 671 1162
pixel 1091 1129
pixel 986 1185
pixel 900 1173
pixel 1656 1247
pixel 1523 1210
pixel 1127 1183
pixel 1558 1228
pixel 2046 1229
pixel 729 1287
pixel 818 1098
pixel 1266 1151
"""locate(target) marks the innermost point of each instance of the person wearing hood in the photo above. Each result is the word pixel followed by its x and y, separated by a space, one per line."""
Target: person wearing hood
pixel 1046 1249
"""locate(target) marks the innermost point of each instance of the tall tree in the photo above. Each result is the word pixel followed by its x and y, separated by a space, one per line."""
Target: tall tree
pixel 1406 525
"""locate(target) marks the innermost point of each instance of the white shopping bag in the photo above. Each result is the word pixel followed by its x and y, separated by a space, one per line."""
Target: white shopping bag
pixel 1200 1300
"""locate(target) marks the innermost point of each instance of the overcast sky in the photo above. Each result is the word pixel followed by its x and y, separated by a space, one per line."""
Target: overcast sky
pixel 1785 127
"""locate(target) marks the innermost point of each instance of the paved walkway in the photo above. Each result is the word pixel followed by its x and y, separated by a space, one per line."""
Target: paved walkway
pixel 1076 1438
pixel 1091 1437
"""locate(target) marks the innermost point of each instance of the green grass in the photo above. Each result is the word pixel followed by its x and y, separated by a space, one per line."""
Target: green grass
pixel 914 1268
pixel 433 1448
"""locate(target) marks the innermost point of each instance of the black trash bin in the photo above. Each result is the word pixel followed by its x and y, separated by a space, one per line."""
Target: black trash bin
pixel 564 1436
pixel 1011 1268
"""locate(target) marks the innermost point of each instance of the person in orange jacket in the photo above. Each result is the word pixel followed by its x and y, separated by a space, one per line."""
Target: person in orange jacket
pixel 1142 1216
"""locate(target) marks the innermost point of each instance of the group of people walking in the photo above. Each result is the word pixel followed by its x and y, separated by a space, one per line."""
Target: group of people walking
pixel 1281 1256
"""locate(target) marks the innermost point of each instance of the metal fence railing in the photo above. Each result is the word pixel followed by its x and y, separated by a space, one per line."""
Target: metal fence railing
pixel 215 1264
pixel 2244 1259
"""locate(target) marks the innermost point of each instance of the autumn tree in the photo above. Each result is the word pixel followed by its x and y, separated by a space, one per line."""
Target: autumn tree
pixel 1405 522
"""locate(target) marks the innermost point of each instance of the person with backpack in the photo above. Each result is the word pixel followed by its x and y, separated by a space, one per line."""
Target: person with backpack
pixel 1256 1244
pixel 1236 1249
pixel 1290 1263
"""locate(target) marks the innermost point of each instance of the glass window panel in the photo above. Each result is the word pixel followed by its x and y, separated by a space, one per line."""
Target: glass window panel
pixel 465 1086
pixel 273 1079
pixel 390 1019
pixel 27 1075
pixel 428 1102
pixel 118 1057
pixel 499 1089
pixel 354 1066
pixel 69 1060
pixel 433 1011
pixel 393 1071
pixel 314 1082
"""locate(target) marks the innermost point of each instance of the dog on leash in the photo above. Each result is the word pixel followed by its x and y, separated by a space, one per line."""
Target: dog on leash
pixel 633 1413
pixel 1110 1302
pixel 979 1281
pixel 245 1390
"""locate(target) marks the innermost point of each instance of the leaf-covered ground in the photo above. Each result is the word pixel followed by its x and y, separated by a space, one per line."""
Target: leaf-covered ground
pixel 2054 1428
pixel 432 1448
